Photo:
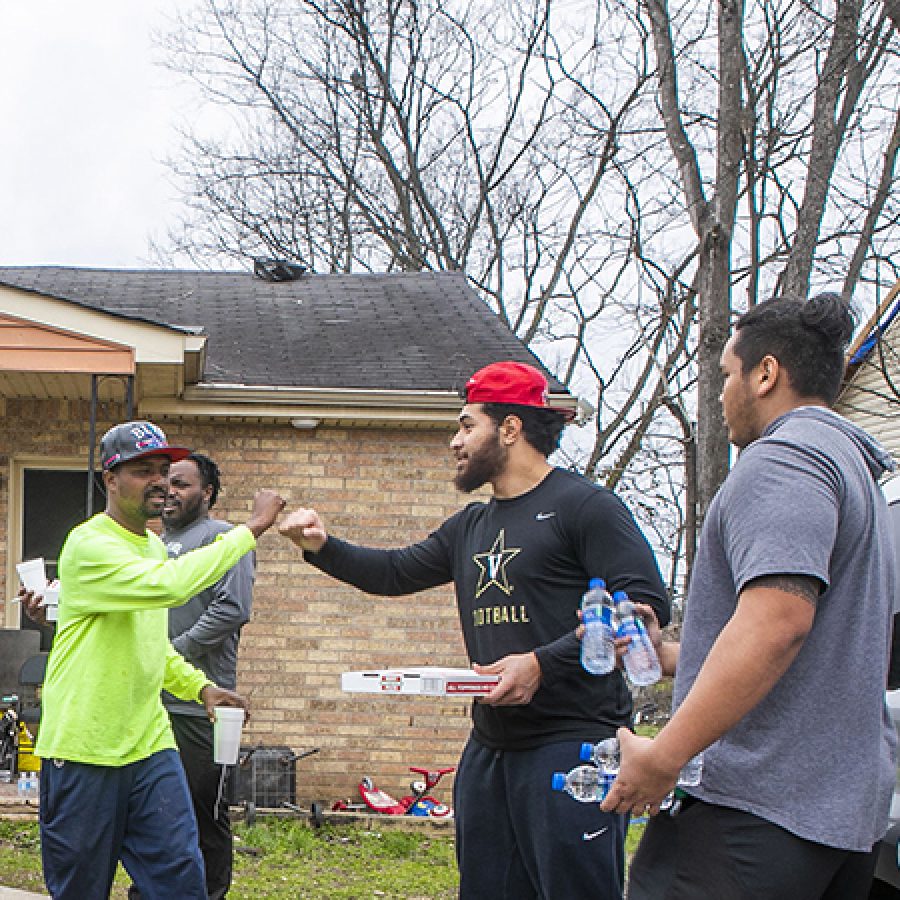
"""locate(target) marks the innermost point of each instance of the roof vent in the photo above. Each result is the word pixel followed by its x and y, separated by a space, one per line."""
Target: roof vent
pixel 270 269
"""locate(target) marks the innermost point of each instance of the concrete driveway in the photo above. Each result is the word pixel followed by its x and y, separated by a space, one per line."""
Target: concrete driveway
pixel 13 894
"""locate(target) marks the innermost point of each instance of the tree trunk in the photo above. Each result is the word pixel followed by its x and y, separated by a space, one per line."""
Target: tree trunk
pixel 714 305
pixel 713 319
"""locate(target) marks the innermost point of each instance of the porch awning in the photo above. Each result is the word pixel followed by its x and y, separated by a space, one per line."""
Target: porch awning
pixel 32 347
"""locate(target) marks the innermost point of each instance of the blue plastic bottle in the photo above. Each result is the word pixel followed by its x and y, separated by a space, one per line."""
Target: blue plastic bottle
pixel 598 652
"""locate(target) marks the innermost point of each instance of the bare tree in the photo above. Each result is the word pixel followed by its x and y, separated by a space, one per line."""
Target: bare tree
pixel 614 177
pixel 795 84
pixel 407 136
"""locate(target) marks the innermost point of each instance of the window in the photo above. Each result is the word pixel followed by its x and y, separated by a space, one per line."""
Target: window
pixel 53 502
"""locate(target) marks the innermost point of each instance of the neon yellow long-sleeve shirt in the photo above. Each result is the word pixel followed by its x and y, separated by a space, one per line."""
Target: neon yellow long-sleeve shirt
pixel 111 655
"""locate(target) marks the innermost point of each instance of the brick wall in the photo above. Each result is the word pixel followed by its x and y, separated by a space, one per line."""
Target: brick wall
pixel 381 487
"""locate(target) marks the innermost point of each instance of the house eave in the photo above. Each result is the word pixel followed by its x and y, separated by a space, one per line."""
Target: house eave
pixel 327 406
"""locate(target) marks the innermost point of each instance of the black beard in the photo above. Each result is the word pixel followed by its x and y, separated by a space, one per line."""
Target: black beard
pixel 481 468
pixel 184 515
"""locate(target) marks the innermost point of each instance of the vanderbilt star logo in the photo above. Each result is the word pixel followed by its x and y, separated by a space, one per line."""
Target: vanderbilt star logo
pixel 493 566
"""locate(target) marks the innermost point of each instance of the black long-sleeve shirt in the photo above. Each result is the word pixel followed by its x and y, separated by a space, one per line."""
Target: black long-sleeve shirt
pixel 520 567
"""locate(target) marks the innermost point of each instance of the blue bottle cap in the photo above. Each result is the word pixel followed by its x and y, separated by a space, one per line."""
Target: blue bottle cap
pixel 620 596
pixel 559 781
pixel 587 751
pixel 596 583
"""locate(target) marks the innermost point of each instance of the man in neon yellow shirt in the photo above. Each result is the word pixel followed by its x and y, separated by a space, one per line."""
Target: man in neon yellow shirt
pixel 112 786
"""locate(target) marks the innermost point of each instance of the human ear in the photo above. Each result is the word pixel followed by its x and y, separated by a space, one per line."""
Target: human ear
pixel 510 429
pixel 769 372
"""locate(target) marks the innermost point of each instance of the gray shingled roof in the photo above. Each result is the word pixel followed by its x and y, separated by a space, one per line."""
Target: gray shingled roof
pixel 410 331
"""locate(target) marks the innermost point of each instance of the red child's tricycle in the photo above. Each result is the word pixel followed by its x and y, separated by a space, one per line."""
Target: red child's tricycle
pixel 417 803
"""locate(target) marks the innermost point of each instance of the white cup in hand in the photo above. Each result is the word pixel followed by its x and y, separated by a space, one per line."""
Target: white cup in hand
pixel 33 575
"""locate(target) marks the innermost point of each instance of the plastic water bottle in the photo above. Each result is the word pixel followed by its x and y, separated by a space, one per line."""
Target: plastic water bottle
pixel 586 784
pixel 598 652
pixel 692 772
pixel 640 660
pixel 27 786
pixel 605 756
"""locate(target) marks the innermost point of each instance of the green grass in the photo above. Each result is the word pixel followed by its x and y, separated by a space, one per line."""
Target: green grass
pixel 279 858
pixel 283 859
pixel 20 856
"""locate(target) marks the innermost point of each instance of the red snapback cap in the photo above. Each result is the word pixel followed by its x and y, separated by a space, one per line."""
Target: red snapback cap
pixel 512 382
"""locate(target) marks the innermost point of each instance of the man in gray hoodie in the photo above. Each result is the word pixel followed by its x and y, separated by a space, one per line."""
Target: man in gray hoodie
pixel 205 631
pixel 782 668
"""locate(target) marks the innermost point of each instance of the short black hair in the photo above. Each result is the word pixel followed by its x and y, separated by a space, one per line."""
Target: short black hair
pixel 209 475
pixel 542 427
pixel 809 339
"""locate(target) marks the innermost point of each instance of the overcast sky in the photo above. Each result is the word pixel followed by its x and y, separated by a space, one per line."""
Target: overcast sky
pixel 86 120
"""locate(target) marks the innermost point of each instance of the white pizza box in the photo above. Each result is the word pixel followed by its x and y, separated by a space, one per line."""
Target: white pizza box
pixel 431 681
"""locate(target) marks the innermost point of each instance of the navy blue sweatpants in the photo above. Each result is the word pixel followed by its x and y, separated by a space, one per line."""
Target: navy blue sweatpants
pixel 93 816
pixel 517 839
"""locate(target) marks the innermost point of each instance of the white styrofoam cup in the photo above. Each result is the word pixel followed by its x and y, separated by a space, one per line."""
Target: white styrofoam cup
pixel 227 734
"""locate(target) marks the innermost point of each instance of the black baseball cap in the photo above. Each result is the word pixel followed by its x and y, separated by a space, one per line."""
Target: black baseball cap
pixel 133 440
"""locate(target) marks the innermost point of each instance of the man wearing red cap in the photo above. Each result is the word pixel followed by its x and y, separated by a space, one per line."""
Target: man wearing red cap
pixel 112 786
pixel 520 564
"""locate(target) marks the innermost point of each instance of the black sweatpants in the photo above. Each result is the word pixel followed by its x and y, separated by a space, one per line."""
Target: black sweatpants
pixel 194 736
pixel 517 839
pixel 709 852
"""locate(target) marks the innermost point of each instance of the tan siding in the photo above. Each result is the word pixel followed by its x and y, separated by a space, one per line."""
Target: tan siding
pixel 869 398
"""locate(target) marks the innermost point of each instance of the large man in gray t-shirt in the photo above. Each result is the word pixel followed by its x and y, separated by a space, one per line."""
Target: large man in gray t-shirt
pixel 782 668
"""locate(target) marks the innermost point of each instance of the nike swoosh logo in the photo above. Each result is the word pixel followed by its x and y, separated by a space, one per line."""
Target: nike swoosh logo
pixel 590 835
pixel 541 516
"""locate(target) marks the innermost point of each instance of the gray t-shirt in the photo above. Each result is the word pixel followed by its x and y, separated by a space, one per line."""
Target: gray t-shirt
pixel 206 630
pixel 816 755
